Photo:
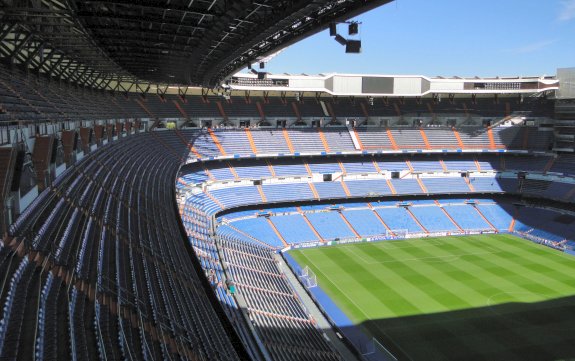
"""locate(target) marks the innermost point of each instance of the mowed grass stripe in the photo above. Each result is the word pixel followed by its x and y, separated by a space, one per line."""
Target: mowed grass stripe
pixel 412 282
pixel 542 260
pixel 473 336
pixel 323 265
pixel 377 280
pixel 425 277
pixel 457 271
pixel 520 249
pixel 453 275
pixel 431 280
pixel 475 270
pixel 509 270
pixel 391 247
pixel 482 267
pixel 521 262
pixel 503 279
pixel 331 288
pixel 400 302
pixel 544 269
pixel 371 298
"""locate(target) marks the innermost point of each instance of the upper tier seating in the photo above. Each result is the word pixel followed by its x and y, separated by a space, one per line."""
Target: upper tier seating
pixel 234 196
pixel 108 231
pixel 303 166
pixel 314 140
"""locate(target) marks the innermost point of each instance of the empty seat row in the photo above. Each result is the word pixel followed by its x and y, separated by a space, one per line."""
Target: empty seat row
pixel 119 266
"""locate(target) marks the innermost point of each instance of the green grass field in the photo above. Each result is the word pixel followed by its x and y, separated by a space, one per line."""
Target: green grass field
pixel 489 297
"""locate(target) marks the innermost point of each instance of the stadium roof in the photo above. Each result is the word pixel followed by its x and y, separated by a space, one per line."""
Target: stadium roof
pixel 114 44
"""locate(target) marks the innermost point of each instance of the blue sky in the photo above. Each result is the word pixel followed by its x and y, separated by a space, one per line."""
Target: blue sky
pixel 446 37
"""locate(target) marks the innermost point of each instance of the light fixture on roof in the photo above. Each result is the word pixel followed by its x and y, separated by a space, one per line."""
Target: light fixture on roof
pixel 352 46
pixel 353 28
pixel 340 39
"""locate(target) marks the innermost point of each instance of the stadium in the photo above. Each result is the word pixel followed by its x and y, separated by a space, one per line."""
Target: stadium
pixel 158 204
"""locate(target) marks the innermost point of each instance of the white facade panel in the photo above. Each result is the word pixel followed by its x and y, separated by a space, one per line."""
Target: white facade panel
pixel 347 84
pixel 438 85
pixel 307 83
pixel 407 86
pixel 566 83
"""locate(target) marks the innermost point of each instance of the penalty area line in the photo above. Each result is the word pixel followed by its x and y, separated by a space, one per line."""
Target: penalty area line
pixel 445 258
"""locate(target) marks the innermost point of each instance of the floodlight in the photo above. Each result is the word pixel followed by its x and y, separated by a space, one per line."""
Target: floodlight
pixel 353 29
pixel 353 46
pixel 340 39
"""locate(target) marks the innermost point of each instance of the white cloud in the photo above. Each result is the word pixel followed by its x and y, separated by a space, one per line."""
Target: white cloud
pixel 533 47
pixel 567 10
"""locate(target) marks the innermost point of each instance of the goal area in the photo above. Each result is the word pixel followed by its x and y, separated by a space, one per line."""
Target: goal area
pixel 396 233
pixel 308 278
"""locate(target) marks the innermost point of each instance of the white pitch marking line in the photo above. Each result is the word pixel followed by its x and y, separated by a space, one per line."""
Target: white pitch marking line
pixel 449 257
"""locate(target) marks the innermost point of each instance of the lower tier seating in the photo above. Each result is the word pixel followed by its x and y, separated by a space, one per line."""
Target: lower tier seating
pixel 383 219
pixel 281 322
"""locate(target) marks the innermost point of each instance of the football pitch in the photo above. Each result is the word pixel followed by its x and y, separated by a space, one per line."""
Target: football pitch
pixel 484 297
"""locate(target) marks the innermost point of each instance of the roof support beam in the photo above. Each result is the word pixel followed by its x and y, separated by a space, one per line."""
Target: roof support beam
pixel 141 90
pixel 181 93
pixel 32 55
pixel 161 92
pixel 23 43
pixel 56 64
pixel 79 75
pixel 153 6
pixel 8 29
